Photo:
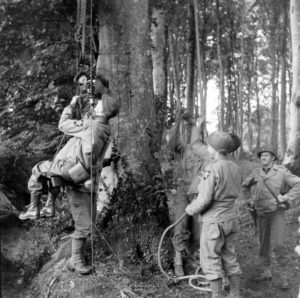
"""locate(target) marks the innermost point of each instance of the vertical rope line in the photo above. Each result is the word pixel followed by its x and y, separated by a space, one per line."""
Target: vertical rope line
pixel 83 24
pixel 92 101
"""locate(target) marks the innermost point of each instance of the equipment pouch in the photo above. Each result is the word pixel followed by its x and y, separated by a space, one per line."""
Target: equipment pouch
pixel 79 173
pixel 283 206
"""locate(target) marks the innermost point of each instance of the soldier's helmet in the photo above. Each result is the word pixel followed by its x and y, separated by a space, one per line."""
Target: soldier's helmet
pixel 224 142
pixel 266 148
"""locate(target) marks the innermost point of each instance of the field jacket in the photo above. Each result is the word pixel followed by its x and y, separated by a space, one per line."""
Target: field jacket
pixel 89 139
pixel 279 179
pixel 218 189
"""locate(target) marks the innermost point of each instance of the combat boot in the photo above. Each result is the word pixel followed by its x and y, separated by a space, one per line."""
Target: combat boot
pixel 33 212
pixel 234 286
pixel 178 264
pixel 263 274
pixel 49 209
pixel 76 262
pixel 216 288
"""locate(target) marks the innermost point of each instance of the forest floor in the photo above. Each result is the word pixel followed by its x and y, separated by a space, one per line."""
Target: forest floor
pixel 31 266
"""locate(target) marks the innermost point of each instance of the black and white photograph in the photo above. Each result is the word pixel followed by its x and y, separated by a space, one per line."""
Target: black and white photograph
pixel 150 148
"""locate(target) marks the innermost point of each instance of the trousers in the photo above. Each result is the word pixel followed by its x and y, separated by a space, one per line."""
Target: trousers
pixel 217 251
pixel 83 209
pixel 272 223
pixel 187 231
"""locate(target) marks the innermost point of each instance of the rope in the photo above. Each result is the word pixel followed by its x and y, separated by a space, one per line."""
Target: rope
pixel 91 160
pixel 83 24
pixel 191 278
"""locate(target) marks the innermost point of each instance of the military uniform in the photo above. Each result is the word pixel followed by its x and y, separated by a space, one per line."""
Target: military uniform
pixel 218 190
pixel 281 182
pixel 89 138
pixel 186 179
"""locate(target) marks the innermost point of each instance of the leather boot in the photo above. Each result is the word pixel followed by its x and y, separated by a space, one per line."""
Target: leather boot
pixel 49 210
pixel 178 264
pixel 216 288
pixel 234 286
pixel 33 212
pixel 76 262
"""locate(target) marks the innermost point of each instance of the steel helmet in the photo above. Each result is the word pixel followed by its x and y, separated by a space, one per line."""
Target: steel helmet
pixel 224 142
pixel 266 148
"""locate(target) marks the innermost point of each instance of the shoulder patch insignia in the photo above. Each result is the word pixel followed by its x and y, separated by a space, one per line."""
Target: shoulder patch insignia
pixel 204 174
pixel 78 122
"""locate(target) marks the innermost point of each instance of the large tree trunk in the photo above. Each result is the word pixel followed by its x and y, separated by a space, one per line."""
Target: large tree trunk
pixel 292 157
pixel 158 49
pixel 124 59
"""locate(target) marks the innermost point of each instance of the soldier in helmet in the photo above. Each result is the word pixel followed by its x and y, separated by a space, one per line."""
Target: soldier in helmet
pixel 218 189
pixel 274 184
pixel 78 163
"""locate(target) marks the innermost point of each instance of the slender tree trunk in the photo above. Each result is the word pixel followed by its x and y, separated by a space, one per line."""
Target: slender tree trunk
pixel 174 71
pixel 171 92
pixel 200 64
pixel 283 51
pixel 292 157
pixel 221 71
pixel 274 85
pixel 158 50
pixel 190 68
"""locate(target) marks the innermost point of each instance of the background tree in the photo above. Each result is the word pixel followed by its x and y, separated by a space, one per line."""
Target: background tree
pixel 292 157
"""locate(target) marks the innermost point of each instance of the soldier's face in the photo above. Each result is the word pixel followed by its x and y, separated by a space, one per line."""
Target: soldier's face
pixel 266 159
pixel 82 82
pixel 211 151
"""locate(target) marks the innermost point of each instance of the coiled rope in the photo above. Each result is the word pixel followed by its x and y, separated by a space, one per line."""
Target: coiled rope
pixel 203 283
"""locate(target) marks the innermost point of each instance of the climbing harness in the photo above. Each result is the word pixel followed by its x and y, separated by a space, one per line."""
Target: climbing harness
pixel 203 282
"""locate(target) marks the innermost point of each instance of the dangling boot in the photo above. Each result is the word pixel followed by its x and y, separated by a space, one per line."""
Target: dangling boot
pixel 178 264
pixel 76 262
pixel 33 211
pixel 216 288
pixel 49 210
pixel 234 286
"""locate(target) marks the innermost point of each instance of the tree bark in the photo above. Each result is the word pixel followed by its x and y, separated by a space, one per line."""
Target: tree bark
pixel 190 65
pixel 274 84
pixel 292 157
pixel 221 71
pixel 158 50
pixel 125 59
pixel 200 65
pixel 283 63
pixel 174 70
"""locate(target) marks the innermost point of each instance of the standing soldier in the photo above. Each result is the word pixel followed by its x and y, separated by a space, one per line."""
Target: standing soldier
pixel 275 186
pixel 190 159
pixel 218 189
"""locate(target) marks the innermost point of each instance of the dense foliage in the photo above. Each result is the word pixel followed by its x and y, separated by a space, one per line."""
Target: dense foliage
pixel 37 67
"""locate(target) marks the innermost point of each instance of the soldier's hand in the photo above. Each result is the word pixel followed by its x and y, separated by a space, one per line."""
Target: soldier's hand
pixel 188 210
pixel 282 198
pixel 74 100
